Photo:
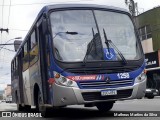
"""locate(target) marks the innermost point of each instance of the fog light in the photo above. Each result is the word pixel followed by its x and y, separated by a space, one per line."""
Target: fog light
pixel 141 77
pixel 63 99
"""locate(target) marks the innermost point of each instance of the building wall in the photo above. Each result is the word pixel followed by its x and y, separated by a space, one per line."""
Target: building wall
pixel 147 45
pixel 152 18
pixel 7 91
pixel 1 94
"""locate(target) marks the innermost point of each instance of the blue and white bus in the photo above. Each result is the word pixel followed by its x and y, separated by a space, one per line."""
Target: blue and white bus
pixel 78 54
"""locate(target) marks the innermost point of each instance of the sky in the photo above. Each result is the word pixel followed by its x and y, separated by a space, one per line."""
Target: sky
pixel 18 16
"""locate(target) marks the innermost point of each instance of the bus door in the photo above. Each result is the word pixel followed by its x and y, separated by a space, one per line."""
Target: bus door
pixel 43 60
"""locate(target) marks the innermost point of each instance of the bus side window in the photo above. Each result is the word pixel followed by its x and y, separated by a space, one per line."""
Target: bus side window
pixel 13 74
pixel 25 57
pixel 16 66
pixel 34 48
pixel 12 70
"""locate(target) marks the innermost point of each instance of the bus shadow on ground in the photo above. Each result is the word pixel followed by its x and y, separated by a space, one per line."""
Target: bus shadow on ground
pixel 75 113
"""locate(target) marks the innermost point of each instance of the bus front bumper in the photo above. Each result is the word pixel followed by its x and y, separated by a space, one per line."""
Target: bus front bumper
pixel 71 95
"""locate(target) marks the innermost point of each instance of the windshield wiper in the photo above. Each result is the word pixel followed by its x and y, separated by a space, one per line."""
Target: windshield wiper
pixel 89 47
pixel 106 41
pixel 111 43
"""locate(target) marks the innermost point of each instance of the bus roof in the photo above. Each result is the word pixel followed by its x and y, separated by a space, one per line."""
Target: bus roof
pixel 58 6
pixel 47 8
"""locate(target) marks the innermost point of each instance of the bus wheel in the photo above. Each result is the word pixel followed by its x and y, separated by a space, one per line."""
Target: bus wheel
pixel 27 107
pixel 150 97
pixel 104 106
pixel 40 106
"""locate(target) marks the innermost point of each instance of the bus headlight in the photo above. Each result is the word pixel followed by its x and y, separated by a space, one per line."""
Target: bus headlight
pixel 141 78
pixel 61 80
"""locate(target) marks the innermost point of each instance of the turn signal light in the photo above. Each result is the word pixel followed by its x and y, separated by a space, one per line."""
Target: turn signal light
pixel 51 81
pixel 145 71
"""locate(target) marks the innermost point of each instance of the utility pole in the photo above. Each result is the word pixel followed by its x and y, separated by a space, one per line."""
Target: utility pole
pixel 132 6
pixel 4 30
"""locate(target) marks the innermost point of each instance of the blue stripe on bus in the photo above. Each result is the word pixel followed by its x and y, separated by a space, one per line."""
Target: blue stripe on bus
pixel 113 77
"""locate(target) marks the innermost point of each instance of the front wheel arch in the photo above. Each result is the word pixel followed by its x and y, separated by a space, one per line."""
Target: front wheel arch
pixel 36 90
pixel 105 106
pixel 16 96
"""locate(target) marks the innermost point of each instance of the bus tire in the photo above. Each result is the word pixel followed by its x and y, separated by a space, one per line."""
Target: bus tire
pixel 40 106
pixel 104 106
pixel 150 97
pixel 19 106
pixel 27 107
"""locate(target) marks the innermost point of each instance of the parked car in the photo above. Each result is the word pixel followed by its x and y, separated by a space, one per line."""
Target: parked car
pixel 151 92
pixel 3 100
pixel 9 99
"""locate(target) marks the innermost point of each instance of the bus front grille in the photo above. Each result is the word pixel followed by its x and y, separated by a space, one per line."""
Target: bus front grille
pixel 91 96
pixel 96 70
pixel 104 84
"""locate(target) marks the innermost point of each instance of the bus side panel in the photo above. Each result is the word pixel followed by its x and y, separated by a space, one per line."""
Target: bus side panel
pixel 37 67
pixel 35 78
pixel 20 79
pixel 27 90
pixel 13 83
pixel 14 88
pixel 16 80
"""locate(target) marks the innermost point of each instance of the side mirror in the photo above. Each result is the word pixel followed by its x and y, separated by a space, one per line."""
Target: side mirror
pixel 17 43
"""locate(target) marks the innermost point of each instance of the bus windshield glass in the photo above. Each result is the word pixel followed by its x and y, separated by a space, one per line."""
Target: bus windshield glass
pixel 79 35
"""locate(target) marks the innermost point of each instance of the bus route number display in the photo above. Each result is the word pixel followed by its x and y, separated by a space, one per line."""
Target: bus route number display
pixel 123 75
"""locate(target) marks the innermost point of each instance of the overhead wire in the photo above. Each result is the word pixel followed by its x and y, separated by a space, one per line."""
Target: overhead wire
pixel 2 22
pixel 7 36
pixel 11 5
pixel 17 29
pixel 6 63
pixel 2 12
pixel 9 13
pixel 3 59
pixel 9 49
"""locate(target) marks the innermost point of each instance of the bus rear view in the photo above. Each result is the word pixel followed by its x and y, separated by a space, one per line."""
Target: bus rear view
pixel 92 56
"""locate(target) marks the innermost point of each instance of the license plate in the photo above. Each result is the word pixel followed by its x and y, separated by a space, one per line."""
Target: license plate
pixel 108 92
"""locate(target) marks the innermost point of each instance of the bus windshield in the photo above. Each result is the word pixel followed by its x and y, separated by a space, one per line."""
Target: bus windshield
pixel 79 34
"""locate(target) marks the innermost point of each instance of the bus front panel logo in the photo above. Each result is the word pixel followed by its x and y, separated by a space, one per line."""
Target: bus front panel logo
pixel 108 80
pixel 86 77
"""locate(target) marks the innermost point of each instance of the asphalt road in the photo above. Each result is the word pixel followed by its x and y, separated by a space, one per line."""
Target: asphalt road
pixel 123 109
